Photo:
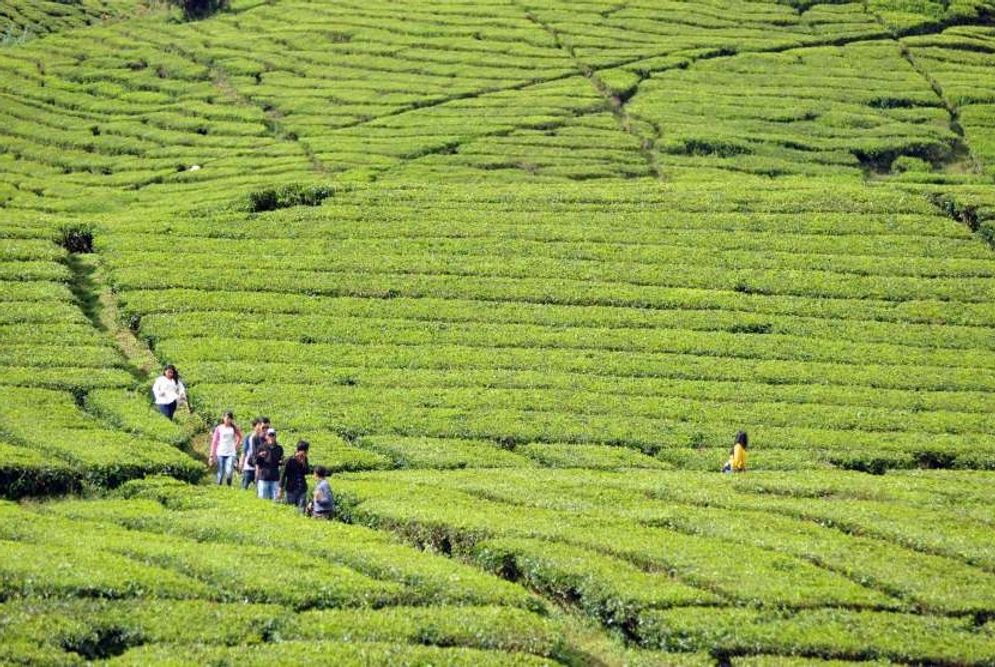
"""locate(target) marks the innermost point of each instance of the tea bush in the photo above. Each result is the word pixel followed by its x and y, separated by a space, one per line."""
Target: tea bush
pixel 519 273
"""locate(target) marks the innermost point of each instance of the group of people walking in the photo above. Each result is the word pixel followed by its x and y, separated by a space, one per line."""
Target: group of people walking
pixel 259 457
pixel 256 455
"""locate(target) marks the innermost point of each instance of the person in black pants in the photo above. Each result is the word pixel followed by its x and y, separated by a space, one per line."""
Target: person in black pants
pixel 293 484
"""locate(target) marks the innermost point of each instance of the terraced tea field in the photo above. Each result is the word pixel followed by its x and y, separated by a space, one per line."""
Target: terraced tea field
pixel 519 272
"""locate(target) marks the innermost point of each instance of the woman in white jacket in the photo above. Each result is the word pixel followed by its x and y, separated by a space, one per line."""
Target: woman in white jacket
pixel 168 391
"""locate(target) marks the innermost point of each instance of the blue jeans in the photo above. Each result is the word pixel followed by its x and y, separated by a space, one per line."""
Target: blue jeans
pixel 298 498
pixel 168 409
pixel 267 490
pixel 248 476
pixel 226 469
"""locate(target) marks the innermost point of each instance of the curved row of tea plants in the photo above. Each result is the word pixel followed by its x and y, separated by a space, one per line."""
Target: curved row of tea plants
pixel 835 565
pixel 511 324
pixel 538 255
pixel 151 574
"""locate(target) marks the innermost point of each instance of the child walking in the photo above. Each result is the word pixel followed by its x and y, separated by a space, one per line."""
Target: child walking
pixel 323 503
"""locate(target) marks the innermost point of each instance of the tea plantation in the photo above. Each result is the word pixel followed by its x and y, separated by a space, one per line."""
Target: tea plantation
pixel 519 271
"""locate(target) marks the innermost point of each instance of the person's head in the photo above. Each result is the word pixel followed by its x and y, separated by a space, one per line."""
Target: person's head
pixel 741 439
pixel 270 435
pixel 321 472
pixel 302 448
pixel 265 421
pixel 170 372
pixel 228 418
pixel 255 424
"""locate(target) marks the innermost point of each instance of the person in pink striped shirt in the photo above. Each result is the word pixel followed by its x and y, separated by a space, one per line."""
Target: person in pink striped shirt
pixel 224 447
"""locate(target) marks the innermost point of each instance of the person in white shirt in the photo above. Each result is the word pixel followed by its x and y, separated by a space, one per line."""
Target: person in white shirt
pixel 168 391
pixel 224 447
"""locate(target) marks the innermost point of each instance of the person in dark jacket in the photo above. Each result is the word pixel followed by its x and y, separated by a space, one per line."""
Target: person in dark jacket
pixel 293 483
pixel 267 460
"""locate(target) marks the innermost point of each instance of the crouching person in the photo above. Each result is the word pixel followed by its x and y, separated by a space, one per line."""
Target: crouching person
pixel 323 503
pixel 293 483
pixel 737 458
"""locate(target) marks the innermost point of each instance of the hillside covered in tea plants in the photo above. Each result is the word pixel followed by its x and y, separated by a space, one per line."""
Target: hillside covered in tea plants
pixel 519 271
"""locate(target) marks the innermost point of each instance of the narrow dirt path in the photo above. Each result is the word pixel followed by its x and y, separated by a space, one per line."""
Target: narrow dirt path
pixel 98 302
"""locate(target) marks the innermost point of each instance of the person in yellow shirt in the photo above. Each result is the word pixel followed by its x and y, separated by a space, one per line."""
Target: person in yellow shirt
pixel 737 460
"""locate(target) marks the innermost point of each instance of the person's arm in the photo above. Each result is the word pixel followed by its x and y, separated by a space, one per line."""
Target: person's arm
pixel 283 477
pixel 215 439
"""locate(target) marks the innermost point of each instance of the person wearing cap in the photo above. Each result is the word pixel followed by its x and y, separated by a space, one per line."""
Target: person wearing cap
pixel 293 483
pixel 268 459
